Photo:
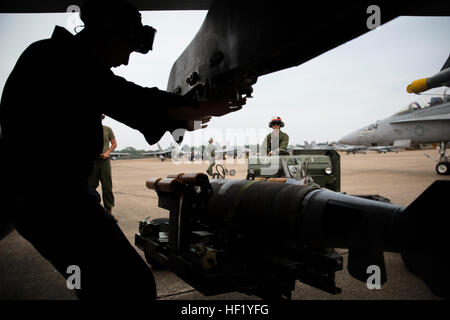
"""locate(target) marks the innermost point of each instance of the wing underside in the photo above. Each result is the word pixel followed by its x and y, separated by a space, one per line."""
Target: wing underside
pixel 43 6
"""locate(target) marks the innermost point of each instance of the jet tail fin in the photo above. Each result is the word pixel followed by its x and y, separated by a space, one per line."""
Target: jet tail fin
pixel 446 64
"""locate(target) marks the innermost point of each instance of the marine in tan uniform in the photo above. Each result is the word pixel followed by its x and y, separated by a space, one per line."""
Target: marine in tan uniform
pixel 102 169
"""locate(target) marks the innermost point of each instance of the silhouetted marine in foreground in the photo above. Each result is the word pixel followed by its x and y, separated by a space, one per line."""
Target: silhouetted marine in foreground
pixel 52 132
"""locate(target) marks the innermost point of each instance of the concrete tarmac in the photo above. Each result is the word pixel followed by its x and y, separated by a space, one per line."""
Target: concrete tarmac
pixel 401 177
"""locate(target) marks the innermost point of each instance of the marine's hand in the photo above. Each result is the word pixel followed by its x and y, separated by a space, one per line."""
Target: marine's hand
pixel 203 112
pixel 105 155
pixel 192 125
pixel 218 108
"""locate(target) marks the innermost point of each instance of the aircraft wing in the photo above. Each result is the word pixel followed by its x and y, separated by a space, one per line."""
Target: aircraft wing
pixel 349 148
pixel 242 40
pixel 355 148
pixel 43 6
pixel 156 153
pixel 120 154
pixel 385 148
pixel 438 117
pixel 167 153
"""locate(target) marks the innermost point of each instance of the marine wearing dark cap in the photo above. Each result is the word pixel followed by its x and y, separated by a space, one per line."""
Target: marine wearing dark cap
pixel 121 18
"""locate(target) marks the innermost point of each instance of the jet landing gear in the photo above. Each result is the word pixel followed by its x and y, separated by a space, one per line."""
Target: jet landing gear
pixel 443 166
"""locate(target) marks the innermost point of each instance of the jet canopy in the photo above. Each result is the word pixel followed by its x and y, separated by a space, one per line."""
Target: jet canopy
pixel 418 105
pixel 413 106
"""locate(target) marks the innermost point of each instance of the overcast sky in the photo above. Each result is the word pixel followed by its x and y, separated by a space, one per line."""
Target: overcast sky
pixel 323 99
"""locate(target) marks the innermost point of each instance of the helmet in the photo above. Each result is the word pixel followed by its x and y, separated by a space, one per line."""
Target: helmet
pixel 276 120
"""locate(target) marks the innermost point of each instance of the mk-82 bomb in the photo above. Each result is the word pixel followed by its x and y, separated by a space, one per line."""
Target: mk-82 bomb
pixel 259 237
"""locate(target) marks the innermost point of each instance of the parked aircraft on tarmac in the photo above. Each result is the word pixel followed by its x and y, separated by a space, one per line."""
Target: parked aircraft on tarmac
pixel 235 152
pixel 335 146
pixel 415 124
pixel 384 149
pixel 349 149
pixel 174 151
pixel 116 155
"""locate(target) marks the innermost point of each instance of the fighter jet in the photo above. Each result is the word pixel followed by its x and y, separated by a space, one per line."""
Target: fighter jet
pixel 174 151
pixel 335 146
pixel 384 149
pixel 116 155
pixel 414 124
pixel 348 148
pixel 314 146
pixel 228 151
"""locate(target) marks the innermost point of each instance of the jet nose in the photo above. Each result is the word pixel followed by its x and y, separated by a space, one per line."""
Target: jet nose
pixel 351 138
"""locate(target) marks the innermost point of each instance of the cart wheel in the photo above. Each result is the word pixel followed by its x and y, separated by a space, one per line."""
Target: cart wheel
pixel 443 168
